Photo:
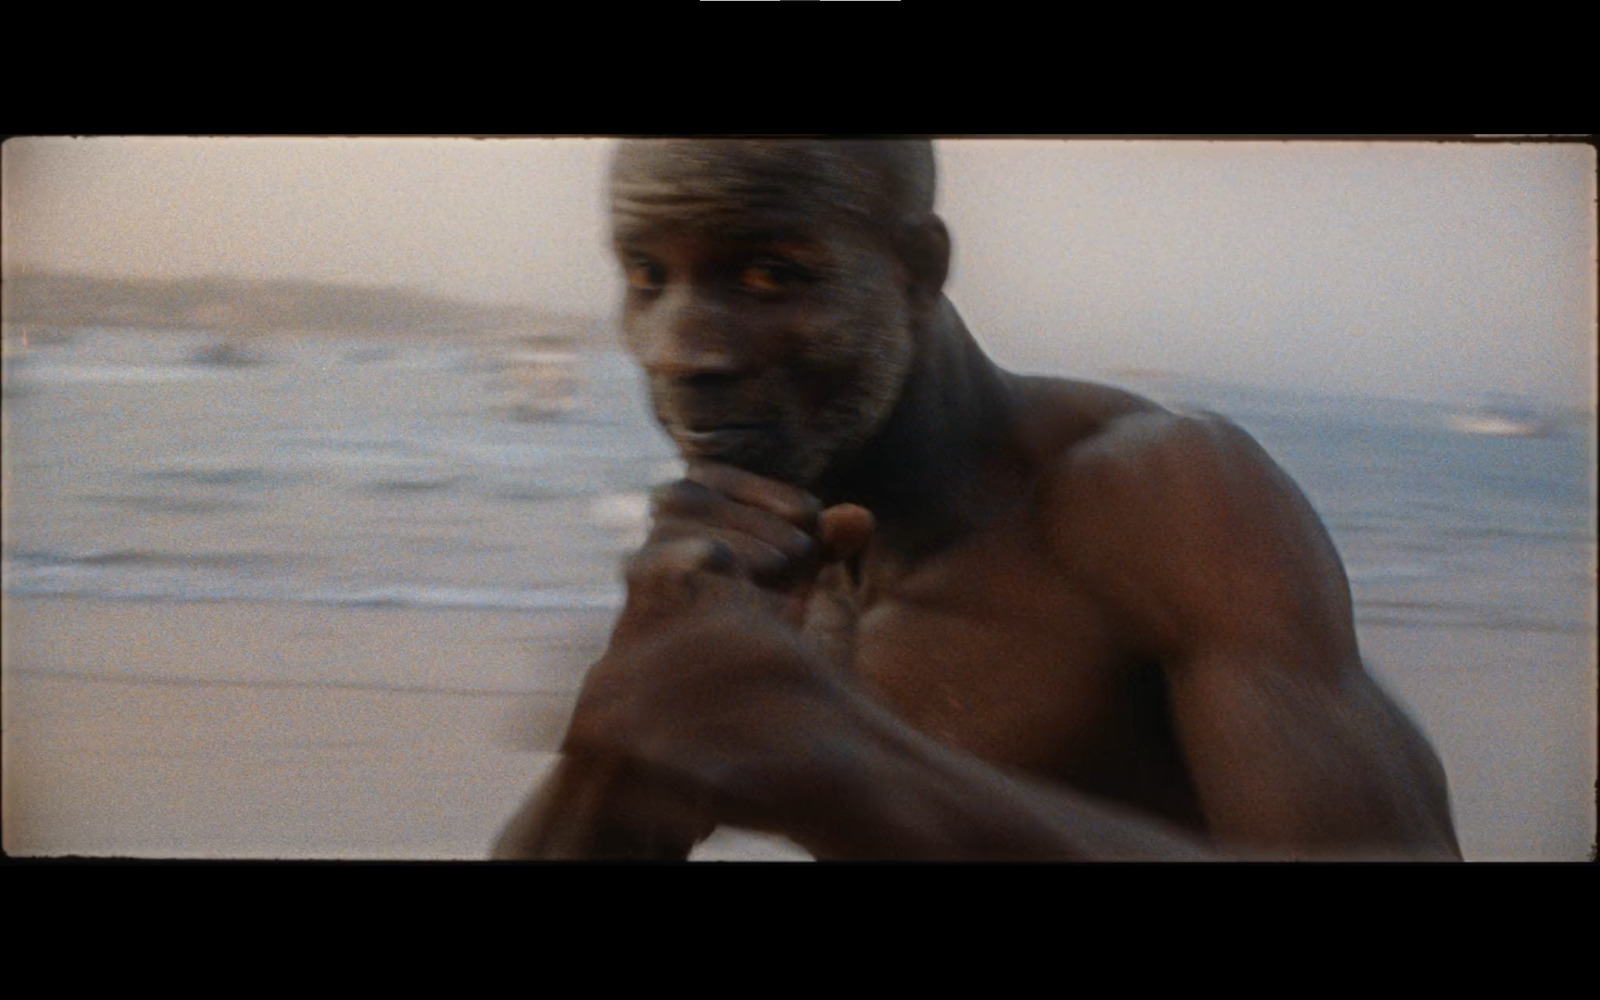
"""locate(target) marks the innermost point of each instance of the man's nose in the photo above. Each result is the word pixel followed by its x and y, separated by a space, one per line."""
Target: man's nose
pixel 687 334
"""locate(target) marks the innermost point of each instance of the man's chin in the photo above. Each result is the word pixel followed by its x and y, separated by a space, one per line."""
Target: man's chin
pixel 757 449
pixel 751 447
pixel 773 467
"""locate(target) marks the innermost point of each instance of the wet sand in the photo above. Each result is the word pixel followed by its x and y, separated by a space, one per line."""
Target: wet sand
pixel 1512 714
pixel 103 761
pixel 115 746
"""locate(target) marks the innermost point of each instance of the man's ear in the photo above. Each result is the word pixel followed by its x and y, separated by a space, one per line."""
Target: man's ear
pixel 926 251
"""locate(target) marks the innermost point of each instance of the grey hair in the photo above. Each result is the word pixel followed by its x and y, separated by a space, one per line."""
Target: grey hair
pixel 885 181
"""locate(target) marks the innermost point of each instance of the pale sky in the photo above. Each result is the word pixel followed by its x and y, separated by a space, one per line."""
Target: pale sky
pixel 1426 270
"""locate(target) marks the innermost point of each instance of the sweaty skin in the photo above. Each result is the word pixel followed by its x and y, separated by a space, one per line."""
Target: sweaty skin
pixel 908 605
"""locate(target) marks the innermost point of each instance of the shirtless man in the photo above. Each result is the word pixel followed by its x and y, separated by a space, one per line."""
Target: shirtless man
pixel 908 605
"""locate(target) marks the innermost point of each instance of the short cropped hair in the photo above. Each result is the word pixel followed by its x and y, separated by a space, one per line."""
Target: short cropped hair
pixel 889 182
pixel 904 168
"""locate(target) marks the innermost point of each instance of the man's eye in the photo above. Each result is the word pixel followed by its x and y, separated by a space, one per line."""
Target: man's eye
pixel 645 275
pixel 769 276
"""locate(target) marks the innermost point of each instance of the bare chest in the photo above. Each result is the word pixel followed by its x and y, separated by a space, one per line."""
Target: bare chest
pixel 988 648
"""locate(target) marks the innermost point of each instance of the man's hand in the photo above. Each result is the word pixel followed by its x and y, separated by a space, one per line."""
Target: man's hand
pixel 724 658
pixel 711 669
pixel 772 534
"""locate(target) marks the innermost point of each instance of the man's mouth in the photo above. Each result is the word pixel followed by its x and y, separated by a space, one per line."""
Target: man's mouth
pixel 724 440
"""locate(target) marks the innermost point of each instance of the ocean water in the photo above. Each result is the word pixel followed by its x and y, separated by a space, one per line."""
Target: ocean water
pixel 1437 527
pixel 340 472
pixel 360 472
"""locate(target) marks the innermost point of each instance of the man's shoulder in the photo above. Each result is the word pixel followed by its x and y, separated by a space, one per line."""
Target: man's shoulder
pixel 1182 519
pixel 1131 460
pixel 1079 427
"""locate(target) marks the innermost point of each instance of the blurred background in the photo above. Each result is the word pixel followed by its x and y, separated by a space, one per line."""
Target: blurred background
pixel 320 453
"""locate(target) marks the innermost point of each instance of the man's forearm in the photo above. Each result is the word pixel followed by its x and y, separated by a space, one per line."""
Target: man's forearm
pixel 601 808
pixel 868 788
pixel 892 792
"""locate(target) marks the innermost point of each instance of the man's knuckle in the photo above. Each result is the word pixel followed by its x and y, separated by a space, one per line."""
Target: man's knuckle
pixel 655 563
pixel 636 569
pixel 680 499
pixel 805 510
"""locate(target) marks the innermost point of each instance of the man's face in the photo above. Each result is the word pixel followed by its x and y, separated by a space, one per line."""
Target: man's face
pixel 771 317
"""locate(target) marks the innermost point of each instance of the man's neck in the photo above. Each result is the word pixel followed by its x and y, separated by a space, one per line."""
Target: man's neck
pixel 922 475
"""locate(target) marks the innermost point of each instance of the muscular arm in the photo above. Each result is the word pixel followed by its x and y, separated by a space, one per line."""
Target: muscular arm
pixel 769 738
pixel 1193 539
pixel 1188 528
pixel 715 535
pixel 1190 537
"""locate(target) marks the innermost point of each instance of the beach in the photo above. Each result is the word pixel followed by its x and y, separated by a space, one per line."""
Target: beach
pixel 337 604
pixel 1512 716
pixel 100 763
pixel 103 762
